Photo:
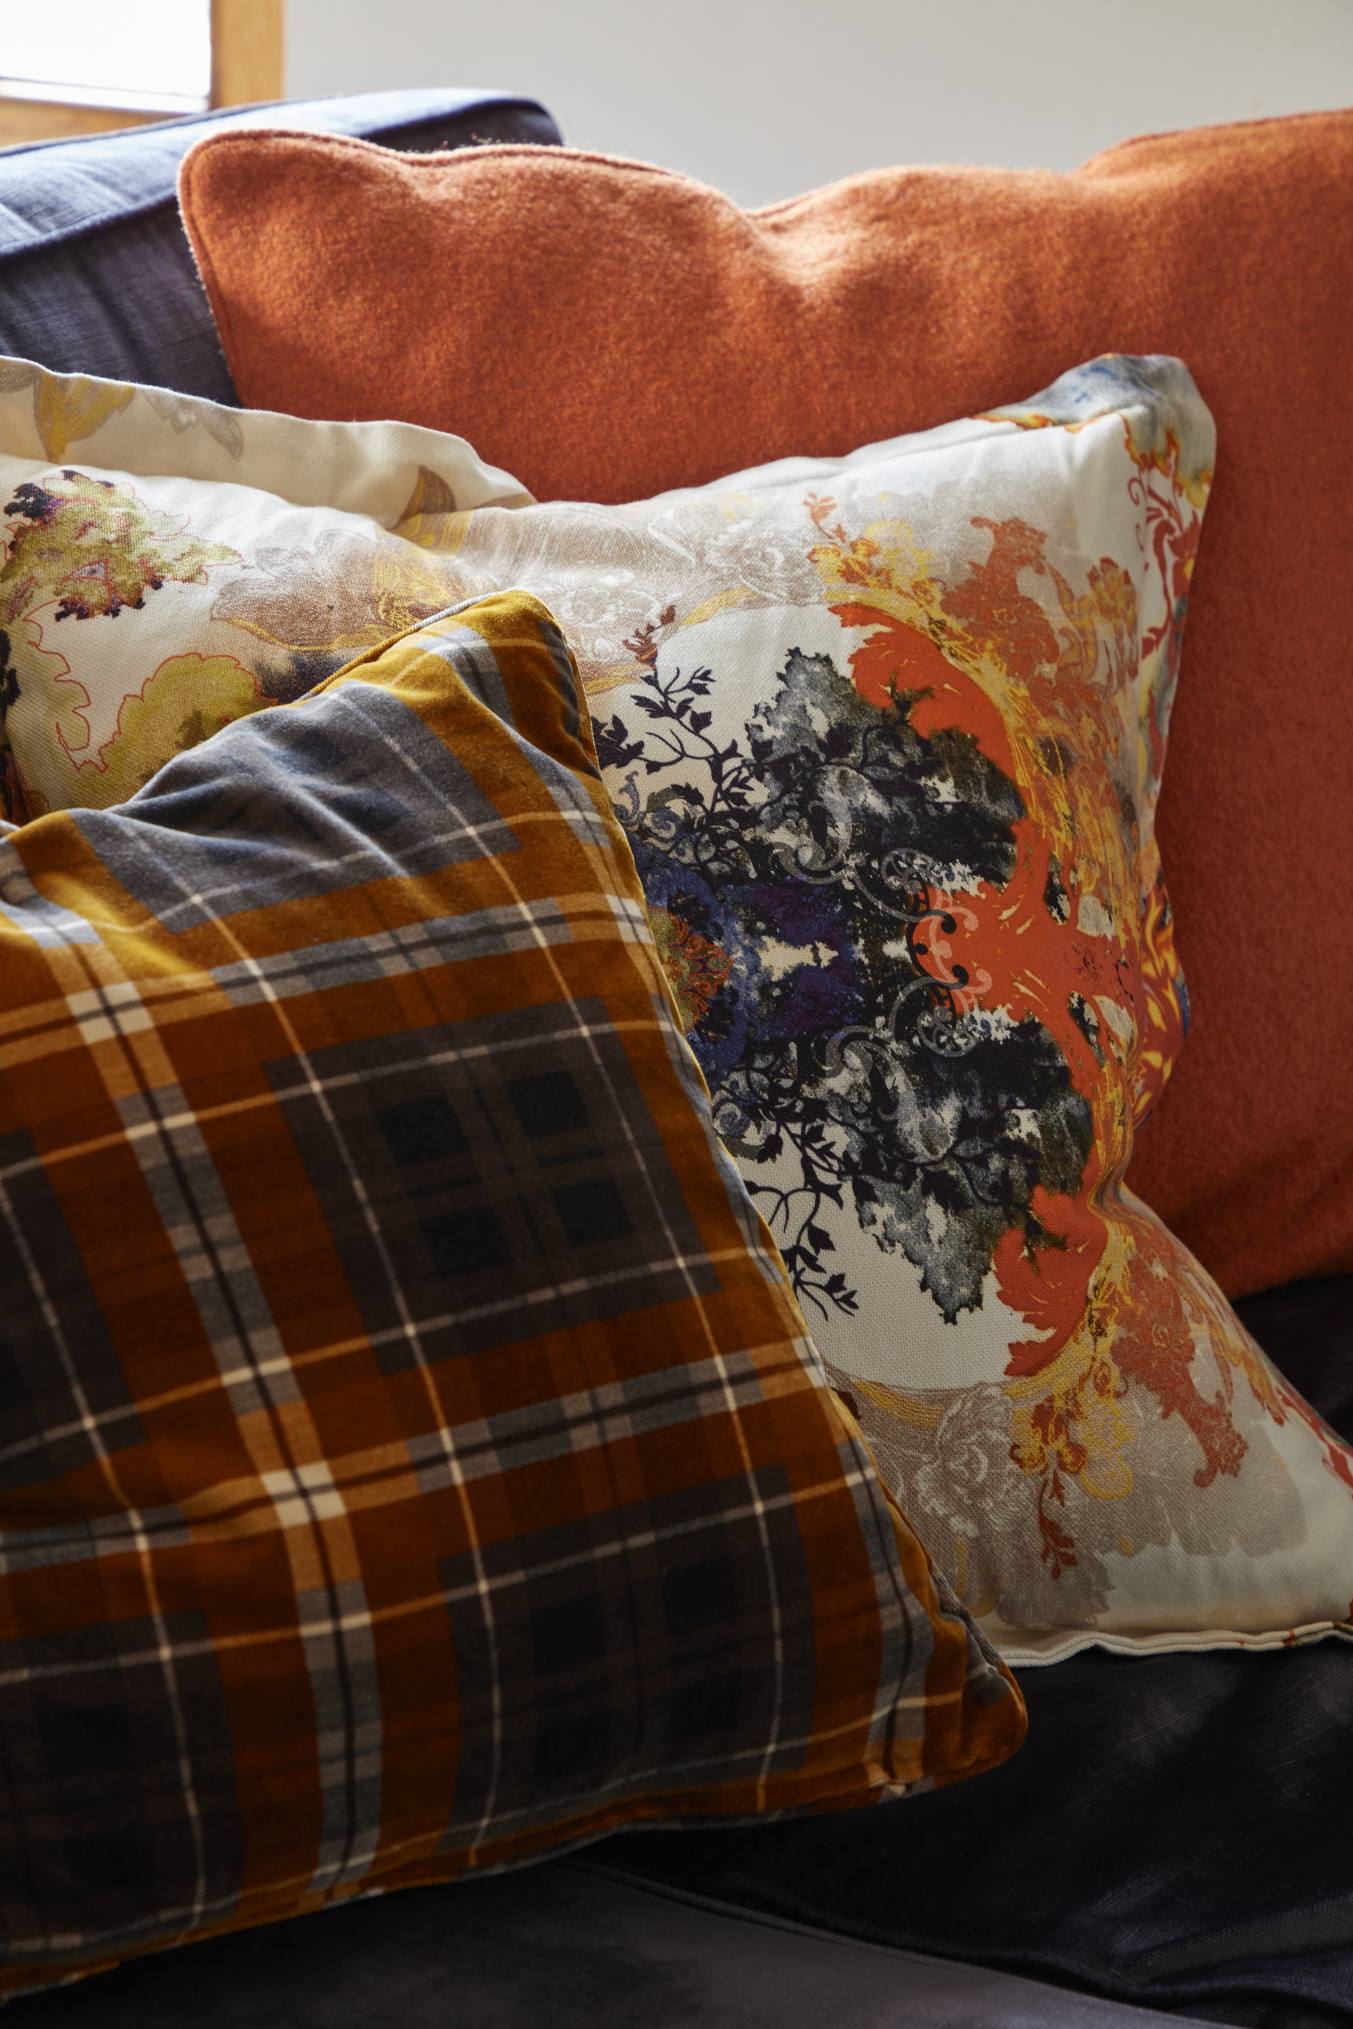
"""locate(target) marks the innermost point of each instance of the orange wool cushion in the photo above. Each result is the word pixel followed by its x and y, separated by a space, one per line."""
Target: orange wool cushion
pixel 605 329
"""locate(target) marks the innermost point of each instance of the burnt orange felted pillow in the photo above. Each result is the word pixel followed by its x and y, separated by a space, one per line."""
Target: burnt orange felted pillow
pixel 605 329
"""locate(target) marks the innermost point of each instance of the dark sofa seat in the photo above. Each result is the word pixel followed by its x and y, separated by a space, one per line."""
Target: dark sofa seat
pixel 559 1947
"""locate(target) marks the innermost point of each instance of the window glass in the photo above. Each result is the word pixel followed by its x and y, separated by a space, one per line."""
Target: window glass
pixel 157 49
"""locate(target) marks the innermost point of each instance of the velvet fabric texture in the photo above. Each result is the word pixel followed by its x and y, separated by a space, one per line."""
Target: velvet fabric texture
pixel 412 1460
pixel 885 735
pixel 616 329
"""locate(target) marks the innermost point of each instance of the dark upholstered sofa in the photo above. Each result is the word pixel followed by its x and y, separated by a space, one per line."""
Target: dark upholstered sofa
pixel 1175 1841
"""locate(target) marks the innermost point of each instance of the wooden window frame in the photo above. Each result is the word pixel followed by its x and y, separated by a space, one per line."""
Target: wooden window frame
pixel 246 69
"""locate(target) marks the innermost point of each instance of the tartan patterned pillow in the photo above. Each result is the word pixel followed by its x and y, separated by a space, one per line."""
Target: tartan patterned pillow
pixel 413 1458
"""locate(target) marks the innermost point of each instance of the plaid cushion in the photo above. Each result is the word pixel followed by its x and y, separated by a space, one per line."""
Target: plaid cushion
pixel 411 1458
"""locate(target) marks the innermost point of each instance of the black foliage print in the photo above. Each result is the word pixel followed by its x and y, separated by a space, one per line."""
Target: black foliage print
pixel 846 1076
pixel 9 676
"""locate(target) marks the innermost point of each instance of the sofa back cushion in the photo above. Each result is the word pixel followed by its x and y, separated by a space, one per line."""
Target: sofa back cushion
pixel 611 329
pixel 95 274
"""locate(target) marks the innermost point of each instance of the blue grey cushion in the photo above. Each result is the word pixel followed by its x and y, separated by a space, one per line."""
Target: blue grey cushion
pixel 95 272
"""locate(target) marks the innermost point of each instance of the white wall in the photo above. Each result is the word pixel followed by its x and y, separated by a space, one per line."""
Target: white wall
pixel 767 100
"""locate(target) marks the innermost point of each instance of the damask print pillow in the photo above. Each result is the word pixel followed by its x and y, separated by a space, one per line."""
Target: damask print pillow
pixel 888 750
pixel 885 733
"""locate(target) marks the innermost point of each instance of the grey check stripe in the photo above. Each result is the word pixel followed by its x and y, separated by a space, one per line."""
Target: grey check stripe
pixel 908 1637
pixel 646 959
pixel 683 1062
pixel 579 1422
pixel 277 1367
pixel 474 661
pixel 371 705
pixel 166 1651
pixel 634 1540
pixel 196 1216
pixel 675 1774
pixel 214 1290
pixel 491 837
pixel 388 953
pixel 571 799
pixel 346 1685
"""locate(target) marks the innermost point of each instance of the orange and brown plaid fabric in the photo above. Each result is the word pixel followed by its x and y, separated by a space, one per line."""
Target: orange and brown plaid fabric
pixel 411 1459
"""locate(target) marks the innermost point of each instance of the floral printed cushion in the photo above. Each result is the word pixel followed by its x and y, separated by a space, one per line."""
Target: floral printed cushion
pixel 886 734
